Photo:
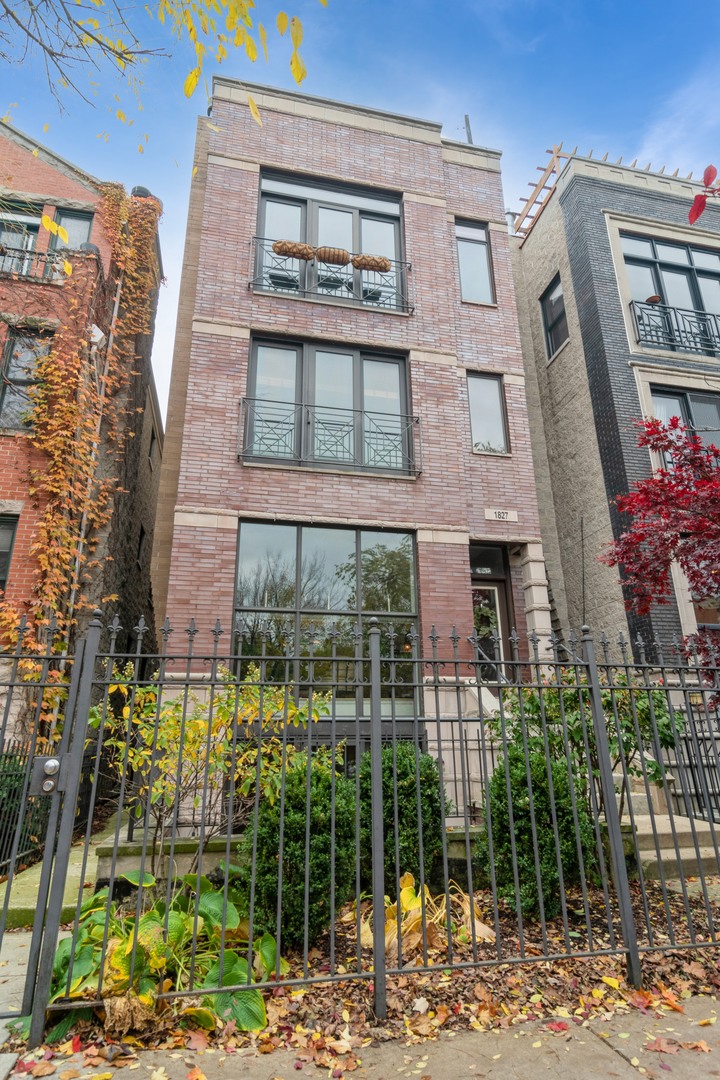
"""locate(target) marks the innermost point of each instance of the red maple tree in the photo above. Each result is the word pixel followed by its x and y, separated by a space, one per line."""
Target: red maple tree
pixel 674 517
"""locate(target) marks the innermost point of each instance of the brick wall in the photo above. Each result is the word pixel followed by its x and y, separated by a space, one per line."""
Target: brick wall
pixel 442 338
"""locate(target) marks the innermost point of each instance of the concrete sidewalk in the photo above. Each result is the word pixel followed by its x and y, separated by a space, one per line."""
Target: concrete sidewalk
pixel 615 1049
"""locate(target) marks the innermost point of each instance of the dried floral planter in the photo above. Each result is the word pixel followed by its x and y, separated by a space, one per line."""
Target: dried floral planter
pixel 372 262
pixel 294 249
pixel 333 256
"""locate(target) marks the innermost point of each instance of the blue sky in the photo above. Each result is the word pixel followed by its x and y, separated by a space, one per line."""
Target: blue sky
pixel 637 79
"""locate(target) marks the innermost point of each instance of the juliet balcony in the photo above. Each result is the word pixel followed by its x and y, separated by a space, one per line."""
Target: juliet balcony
pixel 330 274
pixel 679 329
pixel 322 437
pixel 45 267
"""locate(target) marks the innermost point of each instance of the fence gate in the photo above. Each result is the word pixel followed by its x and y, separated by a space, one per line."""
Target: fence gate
pixel 329 801
pixel 44 703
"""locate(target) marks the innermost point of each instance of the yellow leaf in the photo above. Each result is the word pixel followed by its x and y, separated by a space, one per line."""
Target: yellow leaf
pixel 282 22
pixel 45 222
pixel 535 998
pixel 36 151
pixel 406 880
pixel 635 1062
pixel 141 148
pixel 609 981
pixel 191 82
pixel 62 234
pixel 297 67
pixel 46 127
pixel 251 49
pixel 598 994
pixel 538 1043
pixel 194 169
pixel 121 116
pixel 296 31
pixel 254 111
pixel 262 34
pixel 324 3
pixel 707 1022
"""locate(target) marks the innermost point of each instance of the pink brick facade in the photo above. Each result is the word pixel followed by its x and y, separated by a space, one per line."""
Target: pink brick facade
pixel 205 489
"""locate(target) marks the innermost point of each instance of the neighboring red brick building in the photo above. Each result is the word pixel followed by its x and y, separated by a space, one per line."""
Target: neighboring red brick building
pixel 50 280
pixel 346 436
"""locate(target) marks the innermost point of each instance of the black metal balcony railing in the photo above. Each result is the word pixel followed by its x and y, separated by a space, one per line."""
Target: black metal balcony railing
pixel 387 290
pixel 315 435
pixel 39 265
pixel 680 329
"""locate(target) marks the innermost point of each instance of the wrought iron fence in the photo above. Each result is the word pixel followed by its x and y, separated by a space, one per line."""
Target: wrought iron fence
pixel 676 328
pixel 384 289
pixel 543 804
pixel 40 265
pixel 320 435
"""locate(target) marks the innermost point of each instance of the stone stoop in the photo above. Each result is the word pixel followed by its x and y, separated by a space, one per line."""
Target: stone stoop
pixel 683 846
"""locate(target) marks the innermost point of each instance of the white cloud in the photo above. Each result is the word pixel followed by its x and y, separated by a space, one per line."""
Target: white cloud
pixel 685 132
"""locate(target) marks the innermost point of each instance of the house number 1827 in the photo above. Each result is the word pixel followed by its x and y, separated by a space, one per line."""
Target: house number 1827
pixel 501 515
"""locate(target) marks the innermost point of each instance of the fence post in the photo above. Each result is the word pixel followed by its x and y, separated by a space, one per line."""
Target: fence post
pixel 86 655
pixel 378 827
pixel 612 817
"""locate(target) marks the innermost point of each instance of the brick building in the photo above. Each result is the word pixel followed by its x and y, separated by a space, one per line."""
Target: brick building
pixel 619 299
pixel 53 279
pixel 347 428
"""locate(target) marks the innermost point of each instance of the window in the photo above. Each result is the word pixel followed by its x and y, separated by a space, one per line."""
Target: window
pixel 8 527
pixel 152 447
pixel 697 410
pixel 77 225
pixel 474 258
pixel 19 227
pixel 552 303
pixel 313 589
pixel 328 405
pixel 675 291
pixel 336 226
pixel 141 545
pixel 18 374
pixel 487 414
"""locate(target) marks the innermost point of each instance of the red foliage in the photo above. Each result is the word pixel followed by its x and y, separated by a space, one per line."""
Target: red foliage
pixel 700 201
pixel 674 517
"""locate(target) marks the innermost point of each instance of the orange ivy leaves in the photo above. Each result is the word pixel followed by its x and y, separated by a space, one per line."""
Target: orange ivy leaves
pixel 77 409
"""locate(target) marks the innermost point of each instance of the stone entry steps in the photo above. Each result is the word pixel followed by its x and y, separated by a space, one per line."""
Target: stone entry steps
pixel 683 847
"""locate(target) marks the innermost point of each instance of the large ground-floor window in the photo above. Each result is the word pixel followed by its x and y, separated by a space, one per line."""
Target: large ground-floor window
pixel 305 596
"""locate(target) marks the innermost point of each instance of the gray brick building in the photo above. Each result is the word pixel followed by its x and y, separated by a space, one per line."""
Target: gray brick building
pixel 619 300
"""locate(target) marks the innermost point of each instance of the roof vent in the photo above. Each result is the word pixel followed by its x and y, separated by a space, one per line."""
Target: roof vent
pixel 141 193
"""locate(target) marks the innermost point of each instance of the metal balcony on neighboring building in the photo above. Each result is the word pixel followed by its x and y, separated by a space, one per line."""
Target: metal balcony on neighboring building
pixel 316 436
pixel 383 289
pixel 41 266
pixel 679 329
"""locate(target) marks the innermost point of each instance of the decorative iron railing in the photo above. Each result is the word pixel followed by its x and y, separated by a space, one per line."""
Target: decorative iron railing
pixel 680 329
pixel 317 435
pixel 40 265
pixel 271 272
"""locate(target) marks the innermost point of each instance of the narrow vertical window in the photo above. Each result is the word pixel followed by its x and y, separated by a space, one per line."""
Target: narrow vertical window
pixel 8 527
pixel 487 414
pixel 474 259
pixel 552 303
pixel 17 375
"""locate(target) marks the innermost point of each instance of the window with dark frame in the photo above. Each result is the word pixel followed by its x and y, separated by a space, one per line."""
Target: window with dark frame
pixel 77 225
pixel 307 590
pixel 8 528
pixel 151 447
pixel 473 248
pixel 345 222
pixel 141 544
pixel 698 410
pixel 552 303
pixel 19 227
pixel 17 375
pixel 675 293
pixel 314 405
pixel 487 414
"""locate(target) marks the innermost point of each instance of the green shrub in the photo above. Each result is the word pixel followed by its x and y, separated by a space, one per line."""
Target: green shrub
pixel 522 830
pixel 295 861
pixel 401 767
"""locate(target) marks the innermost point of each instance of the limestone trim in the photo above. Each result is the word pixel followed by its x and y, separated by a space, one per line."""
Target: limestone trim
pixel 220 329
pixel 474 157
pixel 429 200
pixel 190 515
pixel 11 506
pixel 624 174
pixel 442 536
pixel 329 112
pixel 230 162
pixel 427 356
